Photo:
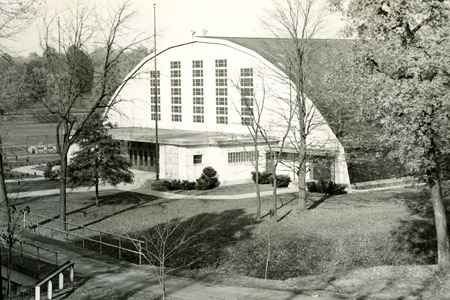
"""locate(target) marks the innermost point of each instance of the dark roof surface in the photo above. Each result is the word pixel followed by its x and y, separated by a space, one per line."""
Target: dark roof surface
pixel 321 53
pixel 276 51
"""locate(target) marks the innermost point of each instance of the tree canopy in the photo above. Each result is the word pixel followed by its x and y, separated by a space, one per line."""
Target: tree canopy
pixel 405 46
pixel 98 161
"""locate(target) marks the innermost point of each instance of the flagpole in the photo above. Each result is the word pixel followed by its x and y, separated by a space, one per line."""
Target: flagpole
pixel 156 95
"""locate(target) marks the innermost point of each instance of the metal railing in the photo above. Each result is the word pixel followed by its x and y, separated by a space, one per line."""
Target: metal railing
pixel 84 233
pixel 48 279
pixel 38 256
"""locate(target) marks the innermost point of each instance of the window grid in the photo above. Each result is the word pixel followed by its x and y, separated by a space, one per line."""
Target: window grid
pixel 175 82
pixel 155 95
pixel 221 92
pixel 240 157
pixel 197 92
pixel 247 97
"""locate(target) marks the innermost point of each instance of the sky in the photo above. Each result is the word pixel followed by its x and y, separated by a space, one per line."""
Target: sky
pixel 176 20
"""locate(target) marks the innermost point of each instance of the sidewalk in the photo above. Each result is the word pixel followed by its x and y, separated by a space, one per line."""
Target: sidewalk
pixel 101 277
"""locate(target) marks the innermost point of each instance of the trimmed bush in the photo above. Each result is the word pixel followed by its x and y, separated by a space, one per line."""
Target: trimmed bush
pixel 264 177
pixel 282 180
pixel 176 184
pixel 326 187
pixel 49 172
pixel 208 180
pixel 187 185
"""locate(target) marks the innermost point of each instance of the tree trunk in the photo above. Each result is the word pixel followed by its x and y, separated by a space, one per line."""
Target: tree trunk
pixel 1 278
pixel 5 214
pixel 268 255
pixel 96 191
pixel 5 218
pixel 302 183
pixel 274 192
pixel 10 244
pixel 163 283
pixel 440 219
pixel 258 192
pixel 302 157
pixel 62 189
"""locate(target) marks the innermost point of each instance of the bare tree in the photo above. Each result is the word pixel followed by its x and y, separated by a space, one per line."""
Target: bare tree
pixel 73 78
pixel 252 110
pixel 299 21
pixel 14 17
pixel 252 105
pixel 168 241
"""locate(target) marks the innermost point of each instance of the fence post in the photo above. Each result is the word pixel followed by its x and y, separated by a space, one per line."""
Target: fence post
pixel 37 293
pixel 49 289
pixel 39 266
pixel 61 281
pixel 140 252
pixel 21 252
pixel 24 219
pixel 71 273
pixel 100 242
pixel 120 248
pixel 37 225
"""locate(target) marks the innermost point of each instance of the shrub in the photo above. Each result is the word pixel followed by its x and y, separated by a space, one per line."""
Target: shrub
pixel 282 180
pixel 263 178
pixel 208 180
pixel 51 173
pixel 176 184
pixel 172 185
pixel 187 185
pixel 312 187
pixel 326 187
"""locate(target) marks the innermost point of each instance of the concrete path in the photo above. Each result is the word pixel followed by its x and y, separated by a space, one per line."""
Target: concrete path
pixel 165 195
pixel 101 277
pixel 29 170
pixel 25 179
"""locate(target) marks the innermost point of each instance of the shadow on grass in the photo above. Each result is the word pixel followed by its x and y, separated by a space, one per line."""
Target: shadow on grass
pixel 283 204
pixel 318 202
pixel 417 234
pixel 208 234
pixel 121 198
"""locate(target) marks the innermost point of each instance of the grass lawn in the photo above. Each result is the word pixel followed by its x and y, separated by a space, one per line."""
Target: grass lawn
pixel 346 243
pixel 31 133
pixel 26 186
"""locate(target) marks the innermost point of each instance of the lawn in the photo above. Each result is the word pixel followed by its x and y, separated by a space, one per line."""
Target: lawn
pixel 26 186
pixel 28 133
pixel 339 234
pixel 338 241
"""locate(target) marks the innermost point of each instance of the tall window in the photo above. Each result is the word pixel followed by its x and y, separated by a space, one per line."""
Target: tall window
pixel 175 90
pixel 155 94
pixel 247 96
pixel 197 91
pixel 221 92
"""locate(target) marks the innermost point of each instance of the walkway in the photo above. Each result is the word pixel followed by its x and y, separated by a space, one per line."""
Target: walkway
pixel 101 277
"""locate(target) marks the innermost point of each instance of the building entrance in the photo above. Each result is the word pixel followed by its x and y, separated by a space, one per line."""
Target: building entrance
pixel 141 155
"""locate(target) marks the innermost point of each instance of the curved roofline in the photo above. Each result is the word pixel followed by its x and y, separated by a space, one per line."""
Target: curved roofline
pixel 205 40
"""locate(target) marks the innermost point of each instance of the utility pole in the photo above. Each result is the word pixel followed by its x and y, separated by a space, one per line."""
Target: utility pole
pixel 156 96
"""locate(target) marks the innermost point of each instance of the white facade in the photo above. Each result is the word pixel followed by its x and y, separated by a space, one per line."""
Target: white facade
pixel 207 103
